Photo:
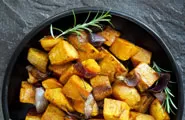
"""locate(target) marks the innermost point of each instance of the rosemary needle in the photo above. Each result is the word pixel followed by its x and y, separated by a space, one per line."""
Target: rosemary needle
pixel 95 22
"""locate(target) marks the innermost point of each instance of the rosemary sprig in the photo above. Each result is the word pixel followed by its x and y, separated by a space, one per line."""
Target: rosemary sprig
pixel 103 17
pixel 168 102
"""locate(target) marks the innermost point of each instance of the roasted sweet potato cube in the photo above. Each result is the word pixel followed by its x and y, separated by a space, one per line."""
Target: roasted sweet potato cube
pixel 96 119
pixel 88 51
pixel 101 87
pixel 115 110
pixel 38 58
pixel 140 116
pixel 79 106
pixel 56 97
pixel 157 111
pixel 146 76
pixel 125 93
pixel 67 74
pixel 111 66
pixel 78 40
pixel 84 48
pixel 48 42
pixel 76 88
pixel 62 53
pixel 91 65
pixel 31 79
pixel 141 56
pixel 51 83
pixel 123 49
pixel 27 93
pixel 53 113
pixel 110 35
pixel 59 69
pixel 67 117
pixel 33 115
pixel 144 103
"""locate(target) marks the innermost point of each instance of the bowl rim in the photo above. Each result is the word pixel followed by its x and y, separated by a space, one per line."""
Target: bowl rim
pixel 48 21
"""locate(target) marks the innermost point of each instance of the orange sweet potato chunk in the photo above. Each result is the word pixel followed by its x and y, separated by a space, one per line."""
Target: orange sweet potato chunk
pixel 111 66
pixel 59 69
pixel 56 97
pixel 101 87
pixel 140 116
pixel 90 65
pixel 146 76
pixel 79 106
pixel 62 53
pixel 110 35
pixel 76 88
pixel 51 83
pixel 38 58
pixel 84 48
pixel 157 111
pixel 115 110
pixel 122 92
pixel 53 113
pixel 142 56
pixel 48 42
pixel 67 74
pixel 27 93
pixel 123 49
pixel 33 115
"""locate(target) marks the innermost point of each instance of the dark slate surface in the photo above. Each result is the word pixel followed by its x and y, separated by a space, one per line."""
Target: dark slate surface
pixel 18 17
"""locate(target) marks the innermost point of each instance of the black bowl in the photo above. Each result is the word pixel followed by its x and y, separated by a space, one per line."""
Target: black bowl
pixel 131 28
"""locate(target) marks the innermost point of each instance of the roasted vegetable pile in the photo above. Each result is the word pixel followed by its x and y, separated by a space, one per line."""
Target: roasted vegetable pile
pixel 82 77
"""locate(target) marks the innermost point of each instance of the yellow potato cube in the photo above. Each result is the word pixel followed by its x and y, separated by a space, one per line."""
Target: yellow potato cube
pixel 123 49
pixel 38 58
pixel 115 110
pixel 53 113
pixel 27 93
pixel 101 87
pixel 51 83
pixel 48 42
pixel 111 66
pixel 76 88
pixel 56 97
pixel 59 69
pixel 141 56
pixel 62 53
pixel 157 111
pixel 110 35
pixel 125 93
pixel 146 76
pixel 140 116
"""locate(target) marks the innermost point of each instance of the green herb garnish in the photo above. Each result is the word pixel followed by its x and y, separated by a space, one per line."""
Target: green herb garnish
pixel 95 22
pixel 168 102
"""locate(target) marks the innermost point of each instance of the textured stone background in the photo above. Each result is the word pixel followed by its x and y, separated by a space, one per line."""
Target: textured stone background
pixel 18 17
